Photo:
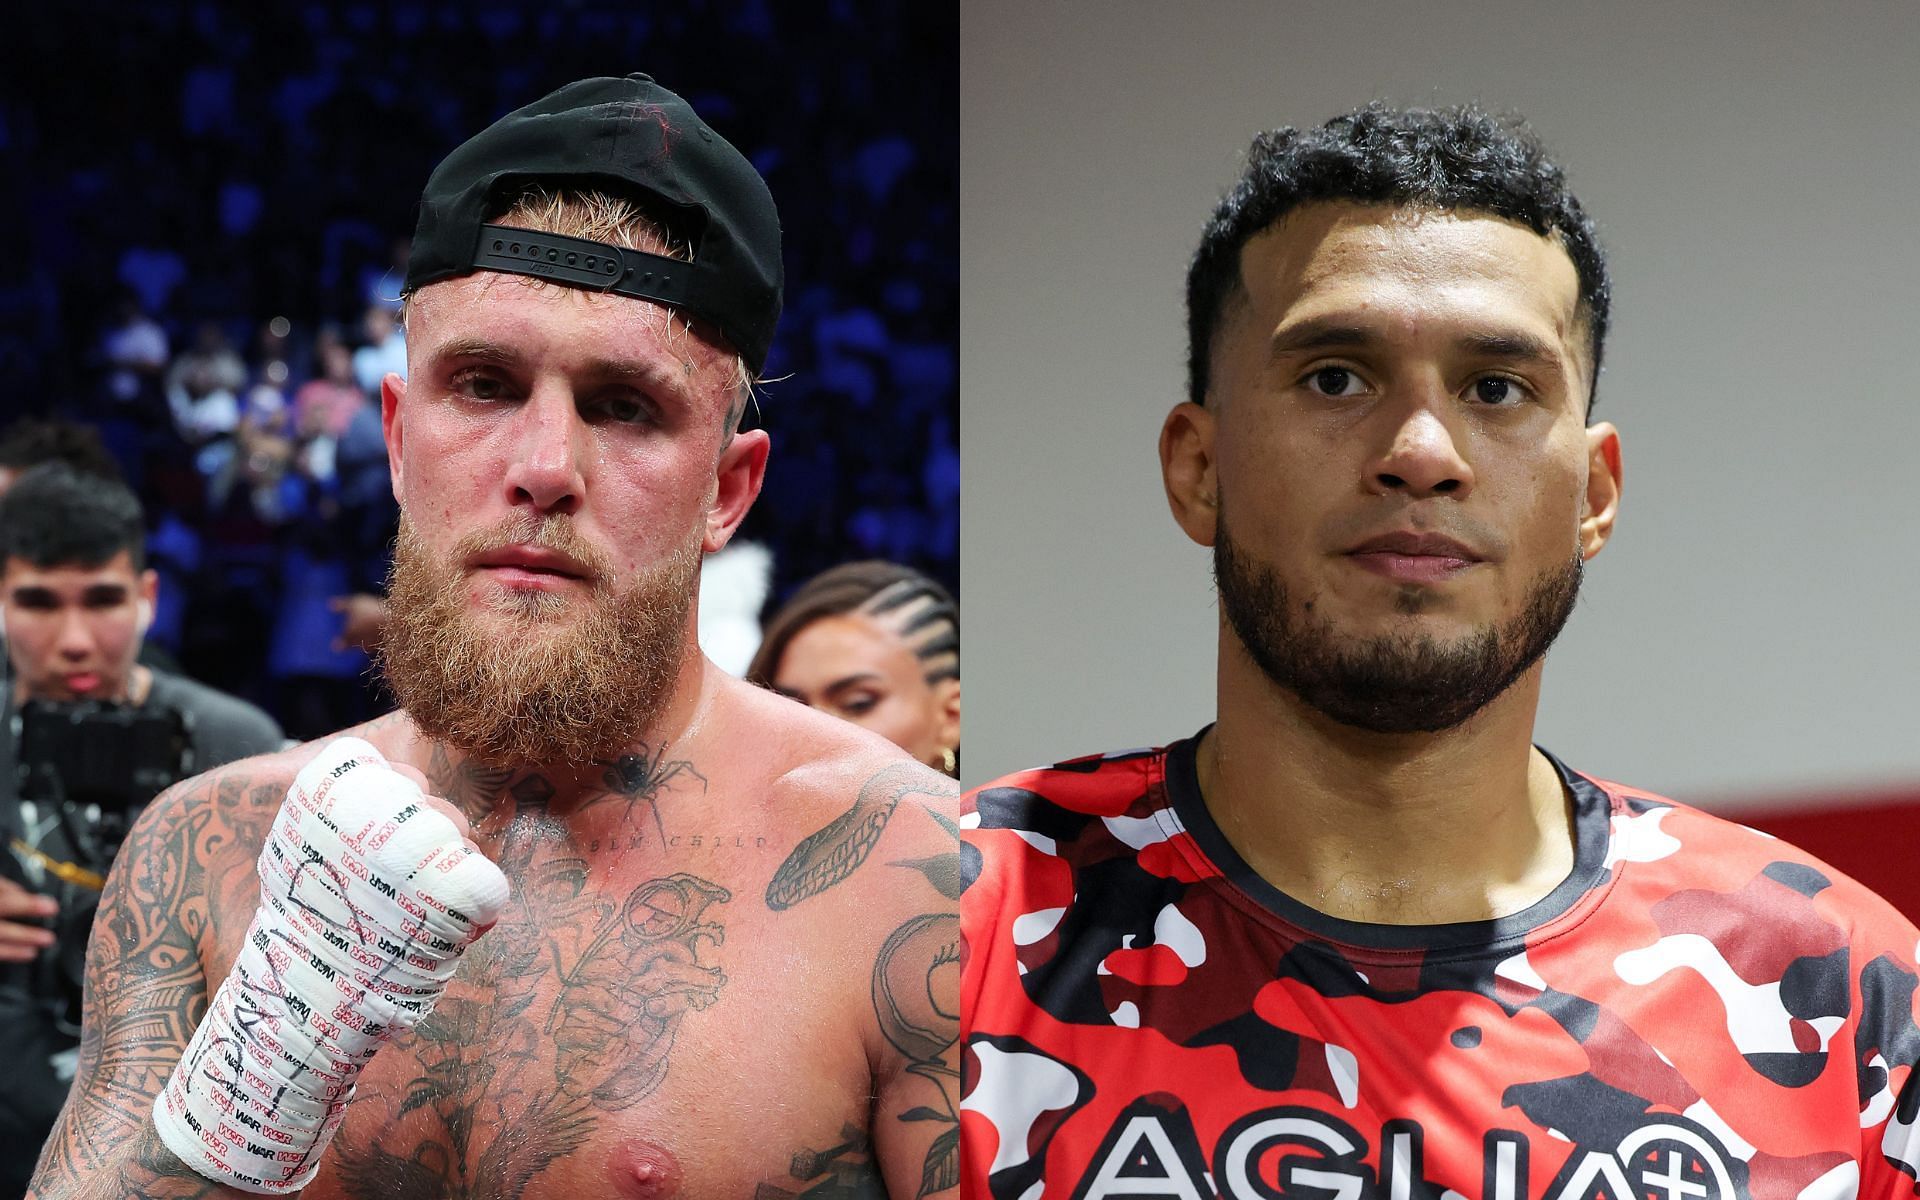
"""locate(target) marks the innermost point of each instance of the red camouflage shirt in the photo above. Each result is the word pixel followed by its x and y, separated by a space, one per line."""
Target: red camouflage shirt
pixel 1698 1012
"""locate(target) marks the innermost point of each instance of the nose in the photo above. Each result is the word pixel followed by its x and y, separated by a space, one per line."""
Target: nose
pixel 1421 457
pixel 75 641
pixel 551 445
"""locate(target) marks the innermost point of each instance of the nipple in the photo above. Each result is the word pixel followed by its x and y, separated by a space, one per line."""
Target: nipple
pixel 642 1170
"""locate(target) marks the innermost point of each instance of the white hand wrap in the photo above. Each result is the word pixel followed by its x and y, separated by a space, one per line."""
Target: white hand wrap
pixel 368 897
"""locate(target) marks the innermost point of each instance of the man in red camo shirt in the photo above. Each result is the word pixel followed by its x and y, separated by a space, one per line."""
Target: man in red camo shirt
pixel 1359 937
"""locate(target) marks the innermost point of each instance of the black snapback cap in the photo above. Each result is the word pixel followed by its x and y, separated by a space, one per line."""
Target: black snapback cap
pixel 624 136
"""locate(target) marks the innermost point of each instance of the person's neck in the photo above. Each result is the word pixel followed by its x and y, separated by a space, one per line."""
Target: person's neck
pixel 569 793
pixel 1399 829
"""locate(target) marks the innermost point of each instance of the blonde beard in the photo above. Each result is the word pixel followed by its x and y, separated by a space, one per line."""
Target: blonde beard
pixel 534 678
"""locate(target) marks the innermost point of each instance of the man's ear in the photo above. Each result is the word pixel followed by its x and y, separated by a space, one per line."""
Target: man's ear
pixel 393 390
pixel 1603 488
pixel 145 599
pixel 1187 470
pixel 737 479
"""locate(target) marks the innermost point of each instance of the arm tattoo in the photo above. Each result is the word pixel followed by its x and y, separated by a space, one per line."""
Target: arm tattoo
pixel 145 992
pixel 836 851
pixel 915 980
pixel 911 999
pixel 915 988
pixel 942 870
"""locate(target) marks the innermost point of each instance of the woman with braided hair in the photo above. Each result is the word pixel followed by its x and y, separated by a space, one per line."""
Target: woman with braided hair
pixel 877 644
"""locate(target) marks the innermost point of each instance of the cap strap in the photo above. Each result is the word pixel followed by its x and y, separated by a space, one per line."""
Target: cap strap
pixel 581 263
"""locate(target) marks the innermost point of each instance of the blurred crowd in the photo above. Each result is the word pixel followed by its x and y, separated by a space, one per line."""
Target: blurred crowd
pixel 218 215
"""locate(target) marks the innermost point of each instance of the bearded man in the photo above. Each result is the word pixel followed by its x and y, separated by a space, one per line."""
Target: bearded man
pixel 1359 937
pixel 585 916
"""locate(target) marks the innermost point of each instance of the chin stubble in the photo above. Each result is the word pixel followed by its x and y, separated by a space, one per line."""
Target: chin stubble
pixel 1403 682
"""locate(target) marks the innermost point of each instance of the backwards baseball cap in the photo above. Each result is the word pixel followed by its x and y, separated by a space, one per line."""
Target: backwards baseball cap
pixel 624 136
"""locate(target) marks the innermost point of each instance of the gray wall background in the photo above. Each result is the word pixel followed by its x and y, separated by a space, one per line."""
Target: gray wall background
pixel 1755 170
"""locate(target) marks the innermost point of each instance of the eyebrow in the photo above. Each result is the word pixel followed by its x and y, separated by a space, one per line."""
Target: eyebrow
pixel 1514 345
pixel 478 348
pixel 1319 333
pixel 848 681
pixel 1332 333
pixel 95 594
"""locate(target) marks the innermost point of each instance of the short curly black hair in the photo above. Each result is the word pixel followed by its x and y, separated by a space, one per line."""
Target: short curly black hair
pixel 1462 158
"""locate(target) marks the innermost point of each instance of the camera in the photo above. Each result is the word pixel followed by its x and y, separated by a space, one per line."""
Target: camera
pixel 116 756
pixel 82 774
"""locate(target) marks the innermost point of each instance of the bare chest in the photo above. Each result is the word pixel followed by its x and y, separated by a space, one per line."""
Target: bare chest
pixel 637 1024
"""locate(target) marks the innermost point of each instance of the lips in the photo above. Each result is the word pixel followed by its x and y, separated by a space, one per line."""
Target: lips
pixel 1406 556
pixel 530 563
pixel 81 682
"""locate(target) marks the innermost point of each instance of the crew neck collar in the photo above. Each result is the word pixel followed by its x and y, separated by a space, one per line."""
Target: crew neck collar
pixel 1591 823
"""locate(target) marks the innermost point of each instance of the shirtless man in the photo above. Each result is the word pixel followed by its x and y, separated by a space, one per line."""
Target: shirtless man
pixel 723 961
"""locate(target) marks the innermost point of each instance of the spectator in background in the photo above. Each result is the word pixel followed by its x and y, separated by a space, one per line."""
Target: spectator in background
pixel 332 538
pixel 263 452
pixel 385 352
pixel 203 388
pixel 135 351
pixel 733 591
pixel 343 447
pixel 877 644
pixel 77 598
pixel 29 443
pixel 324 407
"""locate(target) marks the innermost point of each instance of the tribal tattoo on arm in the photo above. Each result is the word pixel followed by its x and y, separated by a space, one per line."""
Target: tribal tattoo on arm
pixel 146 992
